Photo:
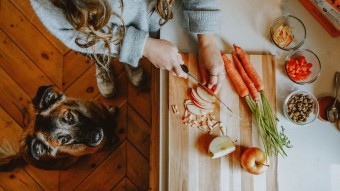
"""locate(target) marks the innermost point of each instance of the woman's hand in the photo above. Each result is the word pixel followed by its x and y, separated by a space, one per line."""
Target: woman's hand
pixel 210 61
pixel 164 55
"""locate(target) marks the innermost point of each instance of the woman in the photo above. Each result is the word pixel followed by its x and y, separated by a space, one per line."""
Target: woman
pixel 121 29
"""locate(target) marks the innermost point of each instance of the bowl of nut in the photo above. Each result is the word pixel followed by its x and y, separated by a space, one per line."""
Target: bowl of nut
pixel 301 107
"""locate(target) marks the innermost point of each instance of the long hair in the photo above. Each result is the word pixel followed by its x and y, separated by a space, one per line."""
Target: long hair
pixel 163 8
pixel 91 18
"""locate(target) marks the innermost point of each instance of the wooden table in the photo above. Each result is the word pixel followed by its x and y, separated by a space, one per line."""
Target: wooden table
pixel 190 167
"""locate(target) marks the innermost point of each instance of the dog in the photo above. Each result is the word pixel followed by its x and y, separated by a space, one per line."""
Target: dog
pixel 63 129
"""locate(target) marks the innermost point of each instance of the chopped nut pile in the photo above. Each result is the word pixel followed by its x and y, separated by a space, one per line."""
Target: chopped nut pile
pixel 299 107
pixel 175 109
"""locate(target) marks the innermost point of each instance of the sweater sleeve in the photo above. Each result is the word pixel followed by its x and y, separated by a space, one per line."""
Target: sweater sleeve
pixel 201 16
pixel 129 51
pixel 56 23
pixel 133 45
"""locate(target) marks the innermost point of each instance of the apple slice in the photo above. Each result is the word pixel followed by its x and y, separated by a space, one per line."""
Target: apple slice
pixel 198 100
pixel 202 93
pixel 221 146
pixel 197 111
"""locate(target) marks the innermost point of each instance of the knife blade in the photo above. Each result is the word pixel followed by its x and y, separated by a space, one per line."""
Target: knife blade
pixel 186 70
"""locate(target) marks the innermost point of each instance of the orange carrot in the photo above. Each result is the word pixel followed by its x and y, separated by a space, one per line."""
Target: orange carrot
pixel 252 89
pixel 235 77
pixel 248 67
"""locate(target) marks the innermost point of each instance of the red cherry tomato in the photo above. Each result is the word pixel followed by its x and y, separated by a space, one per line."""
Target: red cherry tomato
pixel 298 69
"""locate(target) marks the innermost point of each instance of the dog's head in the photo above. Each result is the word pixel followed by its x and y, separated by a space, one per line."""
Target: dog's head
pixel 64 126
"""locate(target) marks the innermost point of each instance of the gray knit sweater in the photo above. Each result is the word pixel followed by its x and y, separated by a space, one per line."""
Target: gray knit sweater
pixel 201 16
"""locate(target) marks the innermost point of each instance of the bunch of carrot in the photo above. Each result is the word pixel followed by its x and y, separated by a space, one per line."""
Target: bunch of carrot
pixel 250 86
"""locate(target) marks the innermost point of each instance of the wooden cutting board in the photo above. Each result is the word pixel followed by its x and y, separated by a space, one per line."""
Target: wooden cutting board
pixel 190 166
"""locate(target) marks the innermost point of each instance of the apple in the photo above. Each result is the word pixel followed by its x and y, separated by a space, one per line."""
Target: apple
pixel 221 146
pixel 197 111
pixel 202 93
pixel 254 160
pixel 199 101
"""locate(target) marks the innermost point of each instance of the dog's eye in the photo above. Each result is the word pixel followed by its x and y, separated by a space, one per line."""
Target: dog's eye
pixel 64 139
pixel 69 118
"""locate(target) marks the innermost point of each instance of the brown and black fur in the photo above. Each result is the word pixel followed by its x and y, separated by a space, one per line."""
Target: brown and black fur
pixel 63 129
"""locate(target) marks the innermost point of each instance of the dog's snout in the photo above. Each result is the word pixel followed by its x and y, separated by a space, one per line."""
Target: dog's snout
pixel 95 137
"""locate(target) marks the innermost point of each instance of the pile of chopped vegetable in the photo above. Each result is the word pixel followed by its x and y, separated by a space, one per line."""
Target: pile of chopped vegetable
pixel 298 69
pixel 283 36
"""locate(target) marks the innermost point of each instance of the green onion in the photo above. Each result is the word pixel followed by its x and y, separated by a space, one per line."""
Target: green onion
pixel 273 140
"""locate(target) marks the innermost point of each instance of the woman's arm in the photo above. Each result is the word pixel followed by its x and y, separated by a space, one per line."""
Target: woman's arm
pixel 203 18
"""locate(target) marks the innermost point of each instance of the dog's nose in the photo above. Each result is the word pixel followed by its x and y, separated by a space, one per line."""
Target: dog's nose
pixel 95 137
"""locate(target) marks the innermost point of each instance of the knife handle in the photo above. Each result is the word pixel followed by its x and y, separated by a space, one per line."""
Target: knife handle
pixel 185 68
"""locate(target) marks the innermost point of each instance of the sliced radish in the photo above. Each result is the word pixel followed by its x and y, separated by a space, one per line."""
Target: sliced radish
pixel 201 103
pixel 202 93
pixel 221 146
pixel 197 111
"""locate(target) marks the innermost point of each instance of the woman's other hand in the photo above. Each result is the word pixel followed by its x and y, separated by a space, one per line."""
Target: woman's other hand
pixel 164 55
pixel 210 61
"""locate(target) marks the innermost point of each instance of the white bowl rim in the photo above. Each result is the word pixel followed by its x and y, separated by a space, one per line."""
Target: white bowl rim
pixel 306 93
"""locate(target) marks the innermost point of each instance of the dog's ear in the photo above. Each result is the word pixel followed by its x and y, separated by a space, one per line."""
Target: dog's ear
pixel 33 149
pixel 45 97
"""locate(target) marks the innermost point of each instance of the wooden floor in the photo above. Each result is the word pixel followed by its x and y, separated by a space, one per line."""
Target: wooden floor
pixel 31 57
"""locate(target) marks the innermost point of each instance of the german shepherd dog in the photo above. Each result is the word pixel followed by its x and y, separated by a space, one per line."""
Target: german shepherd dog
pixel 62 130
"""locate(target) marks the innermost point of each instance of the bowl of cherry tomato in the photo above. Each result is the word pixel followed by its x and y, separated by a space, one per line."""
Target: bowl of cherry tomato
pixel 302 66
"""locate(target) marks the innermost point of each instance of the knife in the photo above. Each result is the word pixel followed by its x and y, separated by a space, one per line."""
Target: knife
pixel 186 70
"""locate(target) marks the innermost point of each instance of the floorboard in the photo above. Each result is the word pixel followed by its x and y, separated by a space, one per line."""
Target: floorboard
pixel 30 57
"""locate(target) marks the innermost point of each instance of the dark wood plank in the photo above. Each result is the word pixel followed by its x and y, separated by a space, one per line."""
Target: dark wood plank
pixel 109 173
pixel 74 65
pixel 88 164
pixel 18 180
pixel 117 67
pixel 155 130
pixel 137 168
pixel 130 186
pixel 138 133
pixel 31 41
pixel 48 180
pixel 120 98
pixel 85 87
pixel 14 100
pixel 20 67
pixel 26 9
pixel 139 99
pixel 121 186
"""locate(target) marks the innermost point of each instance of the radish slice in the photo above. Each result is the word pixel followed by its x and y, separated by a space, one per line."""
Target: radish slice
pixel 221 146
pixel 205 95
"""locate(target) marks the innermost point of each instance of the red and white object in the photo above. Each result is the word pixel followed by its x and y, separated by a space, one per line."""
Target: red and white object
pixel 326 12
pixel 254 160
